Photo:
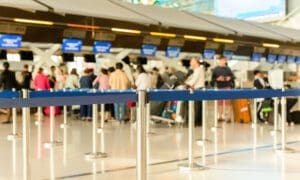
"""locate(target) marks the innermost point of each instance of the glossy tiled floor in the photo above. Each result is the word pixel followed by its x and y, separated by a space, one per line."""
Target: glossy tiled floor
pixel 232 153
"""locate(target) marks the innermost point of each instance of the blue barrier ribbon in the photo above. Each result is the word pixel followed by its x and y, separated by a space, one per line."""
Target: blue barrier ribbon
pixel 9 94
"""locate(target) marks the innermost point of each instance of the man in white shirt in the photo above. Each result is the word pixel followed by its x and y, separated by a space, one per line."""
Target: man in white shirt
pixel 197 79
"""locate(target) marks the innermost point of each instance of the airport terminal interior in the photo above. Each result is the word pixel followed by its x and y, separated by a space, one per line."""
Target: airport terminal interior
pixel 149 89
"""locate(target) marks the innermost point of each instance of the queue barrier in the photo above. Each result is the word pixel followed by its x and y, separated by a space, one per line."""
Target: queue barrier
pixel 10 99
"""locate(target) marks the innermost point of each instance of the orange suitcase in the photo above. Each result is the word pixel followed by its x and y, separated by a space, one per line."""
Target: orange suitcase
pixel 241 110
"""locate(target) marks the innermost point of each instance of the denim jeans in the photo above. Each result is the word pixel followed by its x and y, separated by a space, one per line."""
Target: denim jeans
pixel 85 111
pixel 119 109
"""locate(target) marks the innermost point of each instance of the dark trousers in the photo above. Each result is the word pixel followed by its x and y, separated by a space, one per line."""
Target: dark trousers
pixel 198 113
pixel 85 111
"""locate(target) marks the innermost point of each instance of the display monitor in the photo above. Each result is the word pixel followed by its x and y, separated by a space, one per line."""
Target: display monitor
pixel 3 54
pixel 90 58
pixel 298 60
pixel 26 55
pixel 256 57
pixel 71 45
pixel 281 58
pixel 291 59
pixel 10 41
pixel 209 53
pixel 228 54
pixel 68 57
pixel 141 60
pixel 271 58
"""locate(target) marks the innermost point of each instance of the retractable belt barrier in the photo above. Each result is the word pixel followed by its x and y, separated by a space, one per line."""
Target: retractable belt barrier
pixel 12 99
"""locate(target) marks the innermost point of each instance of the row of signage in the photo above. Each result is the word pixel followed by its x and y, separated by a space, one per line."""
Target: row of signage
pixel 11 41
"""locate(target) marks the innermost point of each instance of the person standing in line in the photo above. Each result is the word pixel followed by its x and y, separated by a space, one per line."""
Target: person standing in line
pixel 27 77
pixel 52 77
pixel 72 80
pixel 41 81
pixel 118 80
pixel 8 82
pixel 223 78
pixel 196 81
pixel 86 82
pixel 103 84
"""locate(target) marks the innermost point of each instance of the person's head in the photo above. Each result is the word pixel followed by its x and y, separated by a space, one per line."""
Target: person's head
pixel 119 66
pixel 73 71
pixel 194 63
pixel 155 70
pixel 104 71
pixel 41 70
pixel 86 71
pixel 26 67
pixel 140 69
pixel 6 65
pixel 52 68
pixel 257 73
pixel 223 61
pixel 111 69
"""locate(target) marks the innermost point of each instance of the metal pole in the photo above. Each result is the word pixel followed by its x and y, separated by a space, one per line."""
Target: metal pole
pixel 14 133
pixel 65 109
pixel 26 139
pixel 102 116
pixel 39 121
pixel 275 117
pixel 215 127
pixel 148 115
pixel 95 154
pixel 52 142
pixel 191 165
pixel 224 110
pixel 254 124
pixel 203 140
pixel 284 149
pixel 141 137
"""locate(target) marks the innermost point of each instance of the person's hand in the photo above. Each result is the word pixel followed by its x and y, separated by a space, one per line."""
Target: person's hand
pixel 228 78
pixel 220 78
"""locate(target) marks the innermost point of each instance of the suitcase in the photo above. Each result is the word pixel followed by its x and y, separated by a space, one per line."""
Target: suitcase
pixel 241 110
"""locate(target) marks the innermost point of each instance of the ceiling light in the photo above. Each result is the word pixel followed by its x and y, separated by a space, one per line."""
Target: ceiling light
pixel 220 40
pixel 49 23
pixel 163 34
pixel 271 45
pixel 132 31
pixel 83 26
pixel 191 37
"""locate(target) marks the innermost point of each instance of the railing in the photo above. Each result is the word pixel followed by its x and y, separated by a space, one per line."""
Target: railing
pixel 12 99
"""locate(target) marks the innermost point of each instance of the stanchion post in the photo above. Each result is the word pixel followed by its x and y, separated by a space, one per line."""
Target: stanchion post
pixel 254 124
pixel 274 133
pixel 14 133
pixel 283 148
pixel 52 142
pixel 95 154
pixel 191 164
pixel 65 113
pixel 141 137
pixel 215 127
pixel 26 139
pixel 39 114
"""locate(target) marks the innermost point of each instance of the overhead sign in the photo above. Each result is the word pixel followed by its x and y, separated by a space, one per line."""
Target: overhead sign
pixel 298 60
pixel 209 54
pixel 281 58
pixel 256 57
pixel 228 54
pixel 291 59
pixel 271 58
pixel 10 41
pixel 148 50
pixel 172 52
pixel 71 45
pixel 101 47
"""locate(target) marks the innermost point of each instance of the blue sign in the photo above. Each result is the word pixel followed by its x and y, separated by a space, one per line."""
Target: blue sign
pixel 228 54
pixel 271 58
pixel 101 47
pixel 148 50
pixel 172 52
pixel 256 57
pixel 10 41
pixel 291 59
pixel 298 60
pixel 71 45
pixel 281 58
pixel 209 54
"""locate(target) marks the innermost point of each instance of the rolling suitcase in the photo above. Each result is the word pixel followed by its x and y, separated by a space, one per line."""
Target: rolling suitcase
pixel 241 110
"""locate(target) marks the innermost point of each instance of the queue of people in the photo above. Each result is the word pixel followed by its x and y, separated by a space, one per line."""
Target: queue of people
pixel 115 78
